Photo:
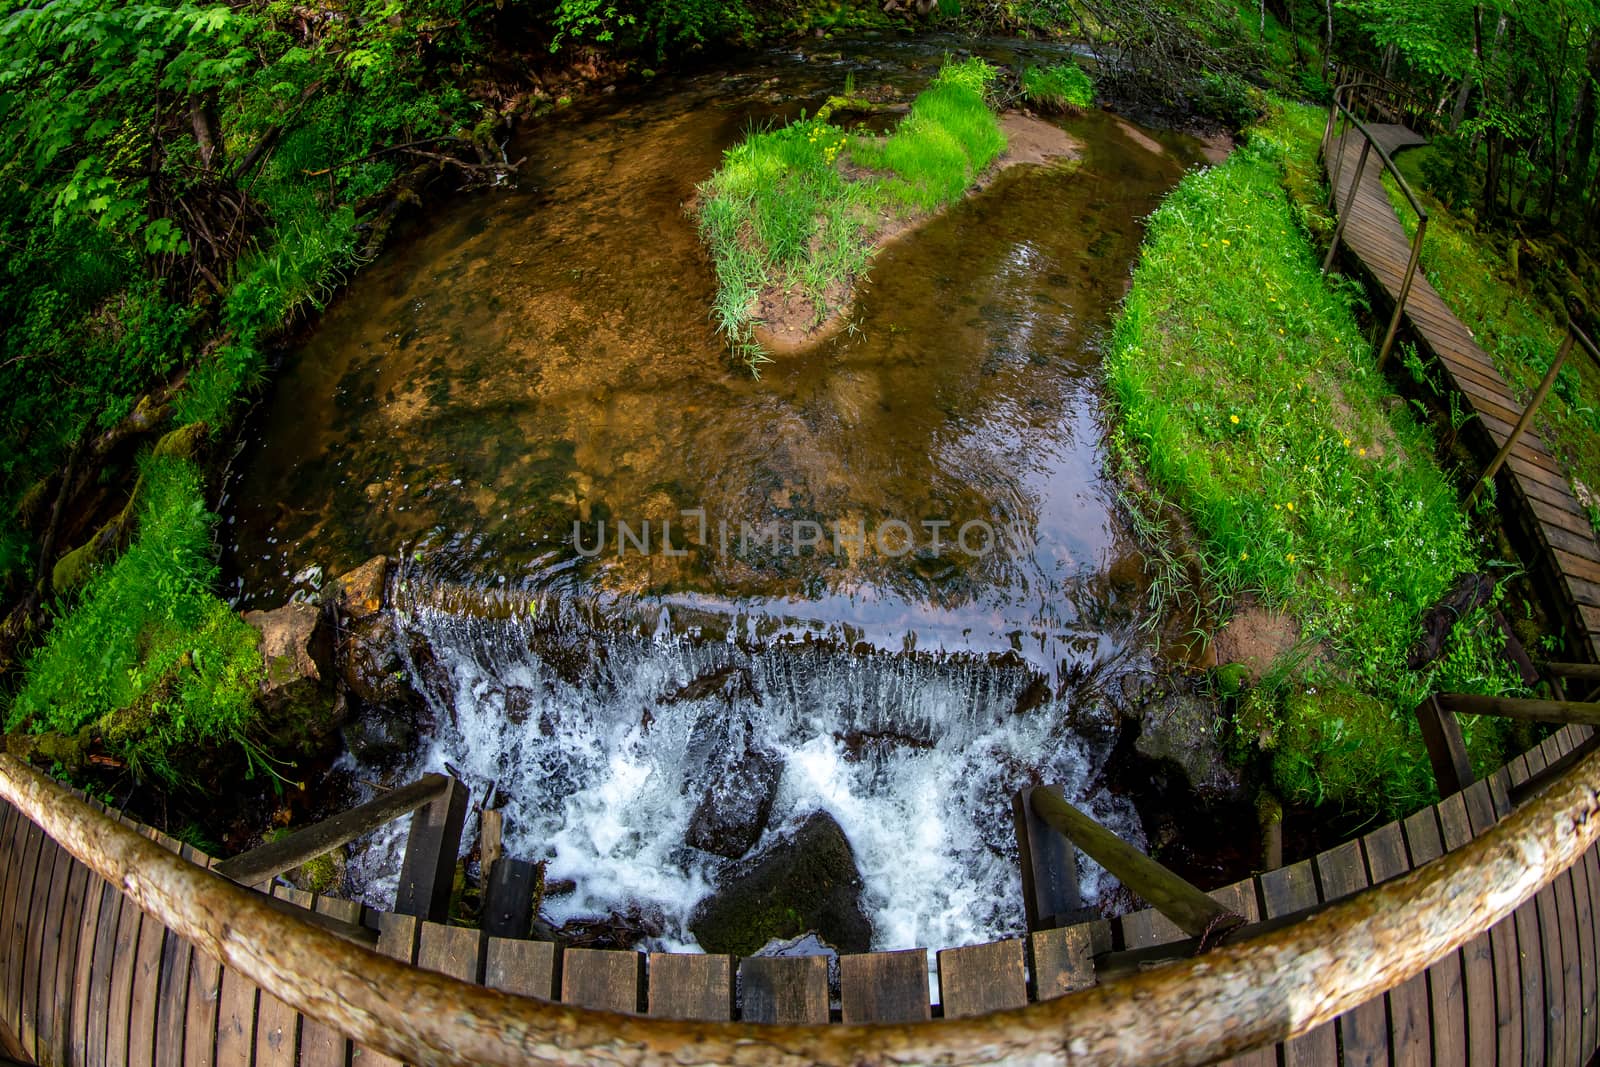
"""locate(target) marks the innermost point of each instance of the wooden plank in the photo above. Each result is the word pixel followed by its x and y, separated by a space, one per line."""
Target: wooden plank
pixel 172 989
pixel 277 1024
pixel 397 939
pixel 94 896
pixel 16 933
pixel 105 949
pixel 204 990
pixel 884 987
pixel 1364 1030
pixel 152 944
pixel 1049 865
pixel 1240 898
pixel 14 841
pixel 453 950
pixel 978 979
pixel 1447 1003
pixel 1566 1027
pixel 433 844
pixel 525 967
pixel 321 1045
pixel 1569 743
pixel 692 986
pixel 130 922
pixel 508 898
pixel 1536 992
pixel 1478 955
pixel 61 988
pixel 1511 993
pixel 39 992
pixel 1410 1040
pixel 1283 892
pixel 1063 958
pixel 790 990
pixel 601 978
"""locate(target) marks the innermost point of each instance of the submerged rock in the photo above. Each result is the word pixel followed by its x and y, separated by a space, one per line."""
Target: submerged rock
pixel 804 882
pixel 359 594
pixel 733 810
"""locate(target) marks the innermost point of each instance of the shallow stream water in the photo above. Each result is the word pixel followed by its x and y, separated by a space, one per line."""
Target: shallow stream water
pixel 533 374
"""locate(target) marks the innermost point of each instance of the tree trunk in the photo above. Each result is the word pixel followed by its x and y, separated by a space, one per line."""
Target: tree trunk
pixel 1585 118
pixel 207 129
pixel 1327 48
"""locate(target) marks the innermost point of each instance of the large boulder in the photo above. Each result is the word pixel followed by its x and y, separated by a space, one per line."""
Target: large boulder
pixel 806 881
pixel 296 694
pixel 733 809
pixel 1179 730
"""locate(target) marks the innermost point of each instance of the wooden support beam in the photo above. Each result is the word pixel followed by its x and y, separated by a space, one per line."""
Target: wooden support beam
pixel 1193 912
pixel 1447 749
pixel 302 846
pixel 508 898
pixel 1049 868
pixel 1558 711
pixel 429 866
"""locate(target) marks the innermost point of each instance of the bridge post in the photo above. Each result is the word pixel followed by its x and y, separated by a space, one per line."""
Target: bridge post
pixel 1349 202
pixel 1527 415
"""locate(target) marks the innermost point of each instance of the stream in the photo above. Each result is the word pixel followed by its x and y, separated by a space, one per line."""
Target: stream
pixel 894 565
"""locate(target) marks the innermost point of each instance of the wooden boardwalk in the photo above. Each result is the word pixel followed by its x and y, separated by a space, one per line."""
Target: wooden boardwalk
pixel 1540 496
pixel 91 980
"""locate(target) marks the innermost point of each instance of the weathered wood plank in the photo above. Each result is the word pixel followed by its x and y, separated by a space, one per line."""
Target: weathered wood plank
pixel 1363 1031
pixel 689 986
pixel 94 897
pixel 397 939
pixel 49 935
pixel 1570 743
pixel 982 978
pixel 17 932
pixel 1566 1027
pixel 508 898
pixel 14 842
pixel 884 987
pixel 1409 1038
pixel 146 992
pixel 1535 990
pixel 784 989
pixel 433 844
pixel 1063 958
pixel 130 923
pixel 453 950
pixel 1447 1005
pixel 321 1045
pixel 105 951
pixel 66 965
pixel 204 980
pixel 1511 992
pixel 277 1024
pixel 1284 892
pixel 525 967
pixel 601 978
pixel 1240 898
pixel 172 989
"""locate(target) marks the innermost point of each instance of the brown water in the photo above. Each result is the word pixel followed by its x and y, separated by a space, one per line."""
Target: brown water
pixel 543 357
pixel 535 358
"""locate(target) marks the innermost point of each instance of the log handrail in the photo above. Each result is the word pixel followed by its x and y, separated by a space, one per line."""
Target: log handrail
pixel 1241 996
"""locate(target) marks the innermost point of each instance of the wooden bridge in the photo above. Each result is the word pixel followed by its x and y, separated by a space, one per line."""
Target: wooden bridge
pixel 1463 934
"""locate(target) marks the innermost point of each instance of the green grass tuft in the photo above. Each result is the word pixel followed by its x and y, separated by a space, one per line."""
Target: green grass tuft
pixel 1063 87
pixel 781 212
pixel 1248 397
pixel 149 658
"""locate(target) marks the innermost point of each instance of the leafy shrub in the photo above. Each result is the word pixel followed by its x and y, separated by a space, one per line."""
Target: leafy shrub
pixel 1227 98
pixel 1063 87
pixel 149 658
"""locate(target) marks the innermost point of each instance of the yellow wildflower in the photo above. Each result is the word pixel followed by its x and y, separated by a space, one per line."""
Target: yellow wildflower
pixel 1290 557
pixel 1234 419
pixel 1361 452
pixel 1290 505
pixel 1347 442
pixel 1243 556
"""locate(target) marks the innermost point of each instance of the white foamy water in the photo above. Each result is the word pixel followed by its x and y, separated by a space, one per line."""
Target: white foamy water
pixel 915 757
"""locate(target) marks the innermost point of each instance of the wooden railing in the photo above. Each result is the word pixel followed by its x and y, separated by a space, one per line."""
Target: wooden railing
pixel 1341 115
pixel 1238 996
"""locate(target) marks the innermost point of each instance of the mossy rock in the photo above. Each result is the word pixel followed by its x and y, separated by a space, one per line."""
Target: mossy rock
pixel 1231 679
pixel 805 882
pixel 185 442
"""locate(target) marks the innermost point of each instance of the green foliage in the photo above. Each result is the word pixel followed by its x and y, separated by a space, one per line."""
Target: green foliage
pixel 780 211
pixel 149 658
pixel 1228 98
pixel 1059 88
pixel 1246 394
pixel 660 26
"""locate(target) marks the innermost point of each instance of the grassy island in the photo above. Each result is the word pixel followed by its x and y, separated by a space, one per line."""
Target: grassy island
pixel 794 213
